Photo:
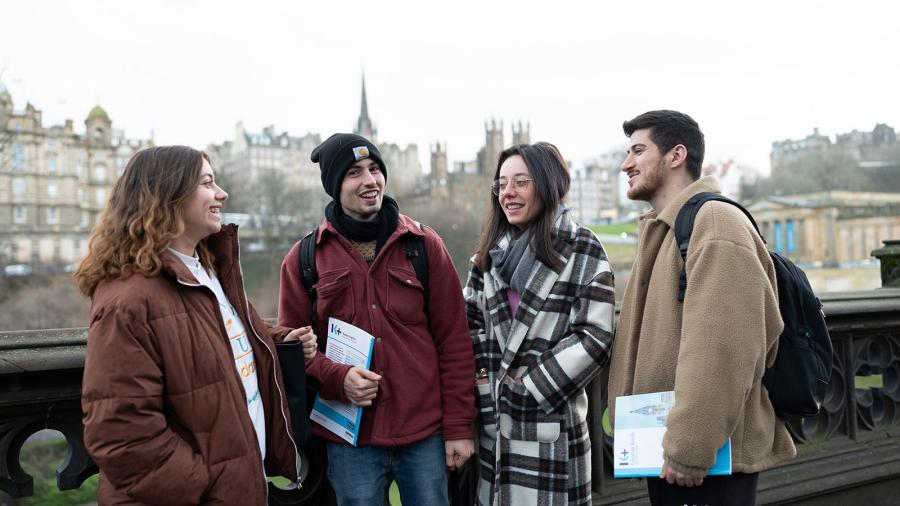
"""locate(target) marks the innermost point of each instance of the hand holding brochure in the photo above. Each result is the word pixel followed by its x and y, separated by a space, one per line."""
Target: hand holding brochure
pixel 351 346
pixel 637 439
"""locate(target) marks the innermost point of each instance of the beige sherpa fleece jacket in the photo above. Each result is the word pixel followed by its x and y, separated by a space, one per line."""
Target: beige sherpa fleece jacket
pixel 711 350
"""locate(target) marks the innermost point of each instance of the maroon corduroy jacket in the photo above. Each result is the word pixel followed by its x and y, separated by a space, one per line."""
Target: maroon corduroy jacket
pixel 425 360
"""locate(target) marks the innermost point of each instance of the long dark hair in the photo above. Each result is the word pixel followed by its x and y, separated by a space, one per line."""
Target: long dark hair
pixel 551 183
pixel 143 216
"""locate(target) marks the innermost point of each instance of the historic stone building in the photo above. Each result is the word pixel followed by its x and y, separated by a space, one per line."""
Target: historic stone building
pixel 854 161
pixel 440 174
pixel 54 182
pixel 249 156
pixel 594 191
pixel 828 228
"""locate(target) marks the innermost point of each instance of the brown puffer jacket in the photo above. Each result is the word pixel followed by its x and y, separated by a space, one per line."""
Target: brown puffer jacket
pixel 165 412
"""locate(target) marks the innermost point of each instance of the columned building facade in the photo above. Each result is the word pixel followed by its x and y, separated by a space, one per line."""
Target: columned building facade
pixel 55 182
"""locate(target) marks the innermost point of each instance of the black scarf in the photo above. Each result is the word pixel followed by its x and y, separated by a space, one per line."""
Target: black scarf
pixel 378 229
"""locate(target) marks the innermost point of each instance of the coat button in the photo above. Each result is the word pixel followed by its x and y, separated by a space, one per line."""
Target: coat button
pixel 377 339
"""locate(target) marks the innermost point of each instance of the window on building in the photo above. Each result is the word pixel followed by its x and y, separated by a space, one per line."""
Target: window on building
pixel 18 157
pixel 79 170
pixel 51 143
pixel 18 186
pixel 81 195
pixel 52 189
pixel 100 173
pixel 791 246
pixel 85 219
pixel 51 164
pixel 101 197
pixel 20 214
pixel 52 216
pixel 777 238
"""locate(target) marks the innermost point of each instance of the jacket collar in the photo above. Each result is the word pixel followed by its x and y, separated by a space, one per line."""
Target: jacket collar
pixel 670 212
pixel 224 247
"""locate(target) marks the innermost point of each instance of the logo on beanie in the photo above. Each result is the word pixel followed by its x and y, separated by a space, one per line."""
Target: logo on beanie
pixel 360 153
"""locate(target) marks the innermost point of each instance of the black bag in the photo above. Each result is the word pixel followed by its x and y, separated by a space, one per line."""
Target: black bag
pixel 802 366
pixel 293 371
pixel 462 484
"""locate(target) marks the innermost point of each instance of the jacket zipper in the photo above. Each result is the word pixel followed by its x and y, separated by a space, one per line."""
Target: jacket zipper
pixel 281 400
pixel 275 379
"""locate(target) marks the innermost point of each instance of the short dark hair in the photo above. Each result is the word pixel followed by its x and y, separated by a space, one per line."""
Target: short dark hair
pixel 669 129
pixel 550 173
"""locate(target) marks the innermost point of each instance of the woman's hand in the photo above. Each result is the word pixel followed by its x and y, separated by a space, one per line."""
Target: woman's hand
pixel 306 336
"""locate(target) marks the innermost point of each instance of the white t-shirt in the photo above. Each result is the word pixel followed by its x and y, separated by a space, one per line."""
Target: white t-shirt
pixel 244 360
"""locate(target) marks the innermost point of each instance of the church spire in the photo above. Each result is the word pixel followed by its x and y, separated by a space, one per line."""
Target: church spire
pixel 364 125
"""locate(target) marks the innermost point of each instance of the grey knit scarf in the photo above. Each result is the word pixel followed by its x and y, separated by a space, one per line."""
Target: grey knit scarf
pixel 514 263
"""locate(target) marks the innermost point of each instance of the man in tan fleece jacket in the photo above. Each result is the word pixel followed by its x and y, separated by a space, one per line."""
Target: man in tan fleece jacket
pixel 712 349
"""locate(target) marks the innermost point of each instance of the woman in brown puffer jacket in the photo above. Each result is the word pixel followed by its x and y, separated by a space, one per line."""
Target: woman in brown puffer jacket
pixel 182 395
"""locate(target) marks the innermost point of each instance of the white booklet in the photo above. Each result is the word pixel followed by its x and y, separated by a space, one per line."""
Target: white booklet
pixel 351 346
pixel 637 439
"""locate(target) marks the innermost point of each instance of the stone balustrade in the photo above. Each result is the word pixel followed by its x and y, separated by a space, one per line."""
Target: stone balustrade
pixel 848 453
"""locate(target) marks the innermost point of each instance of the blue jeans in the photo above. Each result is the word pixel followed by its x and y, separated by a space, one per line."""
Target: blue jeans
pixel 359 475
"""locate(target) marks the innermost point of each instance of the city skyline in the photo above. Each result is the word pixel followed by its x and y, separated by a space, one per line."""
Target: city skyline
pixel 189 71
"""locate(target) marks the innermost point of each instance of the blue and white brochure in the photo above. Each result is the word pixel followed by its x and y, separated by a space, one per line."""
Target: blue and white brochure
pixel 637 439
pixel 351 346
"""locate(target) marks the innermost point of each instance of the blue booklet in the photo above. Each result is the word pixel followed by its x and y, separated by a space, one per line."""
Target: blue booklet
pixel 637 439
pixel 346 345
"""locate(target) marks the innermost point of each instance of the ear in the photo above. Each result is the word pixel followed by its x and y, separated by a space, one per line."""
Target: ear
pixel 679 156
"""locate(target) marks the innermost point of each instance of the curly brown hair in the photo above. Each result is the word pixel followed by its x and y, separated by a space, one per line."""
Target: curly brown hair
pixel 143 216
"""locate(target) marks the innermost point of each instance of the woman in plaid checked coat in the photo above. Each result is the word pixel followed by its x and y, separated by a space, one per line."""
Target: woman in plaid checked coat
pixel 540 304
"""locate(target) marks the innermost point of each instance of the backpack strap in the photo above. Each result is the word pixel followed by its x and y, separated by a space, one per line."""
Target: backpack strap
pixel 684 225
pixel 308 273
pixel 415 250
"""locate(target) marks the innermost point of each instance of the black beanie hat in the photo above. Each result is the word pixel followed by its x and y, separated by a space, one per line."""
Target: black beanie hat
pixel 337 154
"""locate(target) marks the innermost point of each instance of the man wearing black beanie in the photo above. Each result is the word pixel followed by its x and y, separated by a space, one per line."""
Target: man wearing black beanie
pixel 417 395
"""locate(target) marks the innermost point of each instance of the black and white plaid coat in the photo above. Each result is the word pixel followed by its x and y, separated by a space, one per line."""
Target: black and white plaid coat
pixel 533 437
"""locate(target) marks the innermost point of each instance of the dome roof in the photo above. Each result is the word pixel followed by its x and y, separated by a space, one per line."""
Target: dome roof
pixel 98 112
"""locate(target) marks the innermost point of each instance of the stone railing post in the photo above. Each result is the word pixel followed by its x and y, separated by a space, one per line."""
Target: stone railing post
pixel 889 257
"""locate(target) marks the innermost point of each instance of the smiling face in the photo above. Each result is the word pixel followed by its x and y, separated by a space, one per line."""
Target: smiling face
pixel 520 205
pixel 201 212
pixel 644 166
pixel 362 190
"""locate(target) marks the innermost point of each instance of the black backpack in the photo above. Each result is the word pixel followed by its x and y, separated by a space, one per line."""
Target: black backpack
pixel 415 251
pixel 802 366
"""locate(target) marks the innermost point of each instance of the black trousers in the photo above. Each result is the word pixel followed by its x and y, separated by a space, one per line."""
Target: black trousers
pixel 735 490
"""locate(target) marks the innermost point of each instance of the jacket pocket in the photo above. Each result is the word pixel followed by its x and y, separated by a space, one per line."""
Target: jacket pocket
pixel 485 402
pixel 537 457
pixel 335 296
pixel 405 296
pixel 521 419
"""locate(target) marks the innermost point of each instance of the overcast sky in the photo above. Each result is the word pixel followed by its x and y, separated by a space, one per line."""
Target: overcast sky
pixel 188 70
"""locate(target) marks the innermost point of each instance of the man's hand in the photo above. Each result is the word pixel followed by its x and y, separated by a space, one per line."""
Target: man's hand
pixel 306 336
pixel 361 385
pixel 458 452
pixel 674 477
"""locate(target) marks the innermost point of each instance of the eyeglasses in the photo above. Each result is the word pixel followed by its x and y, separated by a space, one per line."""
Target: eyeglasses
pixel 519 183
